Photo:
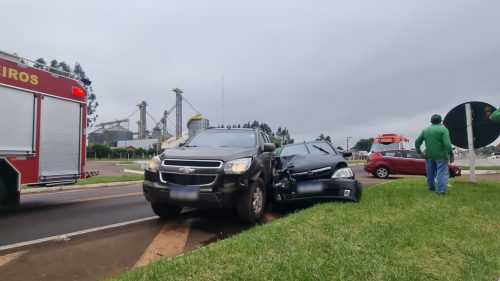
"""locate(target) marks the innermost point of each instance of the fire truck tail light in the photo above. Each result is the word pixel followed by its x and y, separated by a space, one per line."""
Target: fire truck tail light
pixel 79 92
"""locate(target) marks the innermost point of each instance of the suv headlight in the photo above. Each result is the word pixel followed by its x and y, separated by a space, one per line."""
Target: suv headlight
pixel 238 166
pixel 343 173
pixel 154 164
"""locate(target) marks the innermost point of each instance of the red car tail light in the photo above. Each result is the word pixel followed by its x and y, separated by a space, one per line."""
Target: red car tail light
pixel 375 156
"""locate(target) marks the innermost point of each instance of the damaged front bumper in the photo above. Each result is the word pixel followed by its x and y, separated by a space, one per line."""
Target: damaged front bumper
pixel 343 189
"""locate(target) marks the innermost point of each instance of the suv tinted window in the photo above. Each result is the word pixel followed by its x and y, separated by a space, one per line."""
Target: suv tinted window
pixel 411 154
pixel 391 153
pixel 299 149
pixel 224 138
pixel 321 148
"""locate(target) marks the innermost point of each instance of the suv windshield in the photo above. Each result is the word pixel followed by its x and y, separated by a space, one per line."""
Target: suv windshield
pixel 224 138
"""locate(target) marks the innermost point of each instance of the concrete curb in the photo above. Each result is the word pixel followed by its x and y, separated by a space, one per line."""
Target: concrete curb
pixel 133 172
pixel 75 187
pixel 481 172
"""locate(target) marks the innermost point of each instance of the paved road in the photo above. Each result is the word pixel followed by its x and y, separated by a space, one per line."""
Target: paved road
pixel 95 255
pixel 49 214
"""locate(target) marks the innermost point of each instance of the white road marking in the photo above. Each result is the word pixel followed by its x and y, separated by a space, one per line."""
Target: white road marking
pixel 100 197
pixel 10 257
pixel 170 242
pixel 68 235
pixel 93 198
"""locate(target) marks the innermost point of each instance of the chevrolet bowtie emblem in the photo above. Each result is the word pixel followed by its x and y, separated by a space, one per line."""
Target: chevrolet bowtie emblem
pixel 186 170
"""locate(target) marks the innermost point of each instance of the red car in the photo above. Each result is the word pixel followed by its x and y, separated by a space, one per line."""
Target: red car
pixel 402 162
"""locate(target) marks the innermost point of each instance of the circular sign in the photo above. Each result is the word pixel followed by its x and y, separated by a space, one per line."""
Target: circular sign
pixel 484 130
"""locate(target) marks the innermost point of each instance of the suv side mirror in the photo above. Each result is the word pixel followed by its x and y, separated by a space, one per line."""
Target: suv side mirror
pixel 346 153
pixel 269 147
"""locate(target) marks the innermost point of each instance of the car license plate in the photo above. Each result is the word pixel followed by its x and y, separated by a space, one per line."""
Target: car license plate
pixel 186 193
pixel 309 187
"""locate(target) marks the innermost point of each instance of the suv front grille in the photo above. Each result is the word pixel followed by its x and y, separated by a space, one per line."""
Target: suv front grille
pixel 193 163
pixel 180 179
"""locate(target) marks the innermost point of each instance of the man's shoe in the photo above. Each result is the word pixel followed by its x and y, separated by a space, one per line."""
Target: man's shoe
pixel 432 189
pixel 440 193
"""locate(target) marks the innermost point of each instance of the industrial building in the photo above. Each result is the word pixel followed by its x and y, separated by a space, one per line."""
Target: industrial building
pixel 144 144
pixel 113 134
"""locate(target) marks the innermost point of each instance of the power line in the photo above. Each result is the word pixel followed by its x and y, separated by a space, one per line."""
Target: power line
pixel 184 98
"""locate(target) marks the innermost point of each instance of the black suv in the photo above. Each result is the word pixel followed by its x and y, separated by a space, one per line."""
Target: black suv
pixel 221 168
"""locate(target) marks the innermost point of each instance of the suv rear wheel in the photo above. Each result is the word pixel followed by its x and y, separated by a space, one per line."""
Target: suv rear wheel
pixel 252 203
pixel 165 211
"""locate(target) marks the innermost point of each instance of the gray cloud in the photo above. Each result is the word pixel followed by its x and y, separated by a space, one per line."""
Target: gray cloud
pixel 344 68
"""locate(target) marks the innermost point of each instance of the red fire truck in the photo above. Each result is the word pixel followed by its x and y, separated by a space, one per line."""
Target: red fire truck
pixel 43 119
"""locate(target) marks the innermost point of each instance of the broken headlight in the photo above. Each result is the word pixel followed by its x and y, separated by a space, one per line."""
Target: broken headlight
pixel 343 173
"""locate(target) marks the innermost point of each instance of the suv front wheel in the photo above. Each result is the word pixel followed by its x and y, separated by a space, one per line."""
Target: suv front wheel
pixel 252 203
pixel 165 211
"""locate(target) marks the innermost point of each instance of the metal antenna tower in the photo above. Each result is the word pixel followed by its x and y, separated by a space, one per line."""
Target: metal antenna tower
pixel 178 112
pixel 223 99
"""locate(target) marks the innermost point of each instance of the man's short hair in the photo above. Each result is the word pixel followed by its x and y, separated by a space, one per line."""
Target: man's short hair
pixel 436 119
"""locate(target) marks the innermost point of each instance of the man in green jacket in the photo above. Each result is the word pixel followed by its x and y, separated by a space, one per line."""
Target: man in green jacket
pixel 438 151
pixel 495 116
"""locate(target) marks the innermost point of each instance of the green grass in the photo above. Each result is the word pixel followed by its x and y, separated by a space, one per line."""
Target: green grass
pixel 494 168
pixel 118 160
pixel 399 231
pixel 108 179
pixel 136 169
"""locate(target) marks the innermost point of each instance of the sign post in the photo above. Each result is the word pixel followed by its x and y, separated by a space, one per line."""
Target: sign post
pixel 470 140
pixel 470 127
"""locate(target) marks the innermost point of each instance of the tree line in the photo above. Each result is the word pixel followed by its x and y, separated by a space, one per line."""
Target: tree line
pixel 102 151
pixel 63 69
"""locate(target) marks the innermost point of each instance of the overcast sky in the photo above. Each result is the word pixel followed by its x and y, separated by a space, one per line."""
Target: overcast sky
pixel 342 68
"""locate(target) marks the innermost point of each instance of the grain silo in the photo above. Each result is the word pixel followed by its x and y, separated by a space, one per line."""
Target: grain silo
pixel 96 137
pixel 196 124
pixel 115 134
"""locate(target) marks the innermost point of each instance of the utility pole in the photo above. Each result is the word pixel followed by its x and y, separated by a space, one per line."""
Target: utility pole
pixel 347 139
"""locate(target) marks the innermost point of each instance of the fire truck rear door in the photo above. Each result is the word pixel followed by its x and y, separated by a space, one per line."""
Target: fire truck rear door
pixel 17 108
pixel 60 137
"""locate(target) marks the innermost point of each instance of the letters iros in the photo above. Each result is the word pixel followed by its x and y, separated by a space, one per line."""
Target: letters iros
pixel 11 73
